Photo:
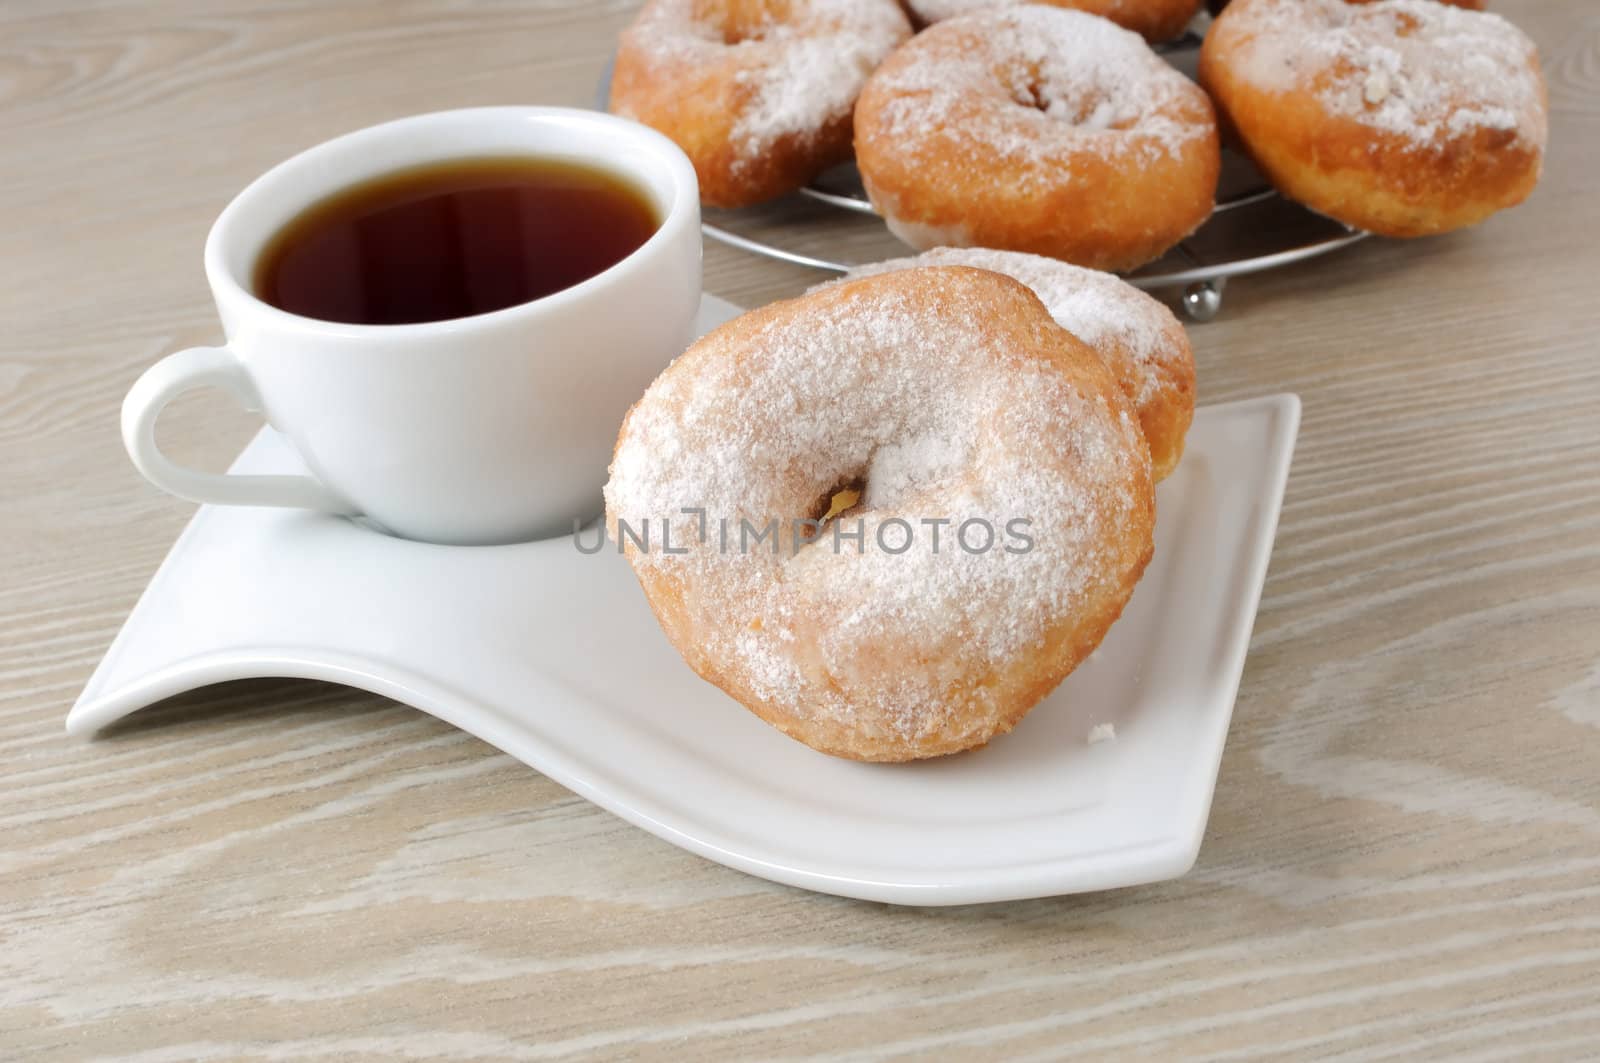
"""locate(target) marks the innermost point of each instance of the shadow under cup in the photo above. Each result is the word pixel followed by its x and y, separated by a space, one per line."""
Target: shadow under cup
pixel 491 428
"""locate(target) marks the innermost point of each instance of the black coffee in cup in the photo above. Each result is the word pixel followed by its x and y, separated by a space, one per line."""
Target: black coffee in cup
pixel 453 239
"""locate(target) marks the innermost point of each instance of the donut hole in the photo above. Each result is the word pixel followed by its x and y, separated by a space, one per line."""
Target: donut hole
pixel 739 21
pixel 1086 110
pixel 1032 95
pixel 845 495
pixel 734 33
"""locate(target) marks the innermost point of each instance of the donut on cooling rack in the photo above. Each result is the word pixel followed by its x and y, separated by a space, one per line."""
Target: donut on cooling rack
pixel 1037 129
pixel 1401 117
pixel 758 93
pixel 1137 337
pixel 1154 20
pixel 926 401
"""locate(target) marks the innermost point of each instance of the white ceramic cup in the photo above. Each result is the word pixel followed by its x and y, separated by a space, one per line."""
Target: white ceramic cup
pixel 486 429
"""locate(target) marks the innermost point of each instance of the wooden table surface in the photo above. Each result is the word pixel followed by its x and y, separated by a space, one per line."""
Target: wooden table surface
pixel 1403 859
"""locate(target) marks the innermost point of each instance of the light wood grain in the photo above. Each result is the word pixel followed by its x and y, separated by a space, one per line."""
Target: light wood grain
pixel 1403 860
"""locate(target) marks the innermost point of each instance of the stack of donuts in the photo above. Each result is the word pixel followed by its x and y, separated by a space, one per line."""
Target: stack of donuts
pixel 999 388
pixel 893 514
pixel 1053 128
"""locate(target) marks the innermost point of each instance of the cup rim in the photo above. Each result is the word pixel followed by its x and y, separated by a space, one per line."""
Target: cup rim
pixel 682 210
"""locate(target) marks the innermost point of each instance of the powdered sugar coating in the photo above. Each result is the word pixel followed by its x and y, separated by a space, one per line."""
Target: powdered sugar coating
pixel 1101 309
pixel 927 390
pixel 1082 83
pixel 1424 72
pixel 939 10
pixel 1037 129
pixel 797 66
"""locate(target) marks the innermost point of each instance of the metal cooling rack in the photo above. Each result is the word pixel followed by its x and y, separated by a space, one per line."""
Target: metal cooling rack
pixel 1252 228
pixel 1201 264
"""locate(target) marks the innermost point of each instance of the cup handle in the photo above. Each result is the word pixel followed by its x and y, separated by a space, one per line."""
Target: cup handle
pixel 217 367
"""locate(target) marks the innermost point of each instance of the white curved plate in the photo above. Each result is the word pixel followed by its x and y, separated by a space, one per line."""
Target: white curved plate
pixel 554 657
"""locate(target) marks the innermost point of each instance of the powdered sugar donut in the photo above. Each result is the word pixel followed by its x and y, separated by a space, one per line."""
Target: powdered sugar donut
pixel 1003 509
pixel 1154 20
pixel 758 93
pixel 1037 129
pixel 1138 338
pixel 1402 117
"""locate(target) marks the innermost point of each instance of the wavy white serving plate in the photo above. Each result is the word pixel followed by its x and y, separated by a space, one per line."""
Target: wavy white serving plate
pixel 554 657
